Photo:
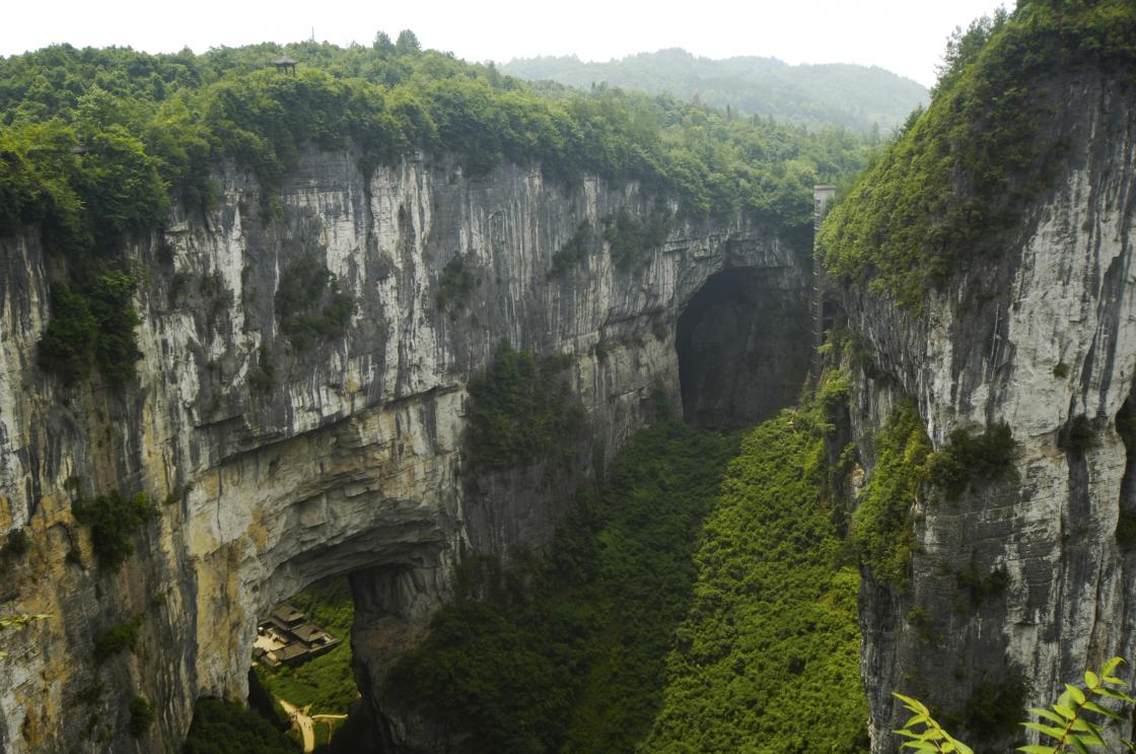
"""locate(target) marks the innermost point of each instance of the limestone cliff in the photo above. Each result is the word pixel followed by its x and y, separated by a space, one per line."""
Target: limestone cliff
pixel 274 465
pixel 1041 336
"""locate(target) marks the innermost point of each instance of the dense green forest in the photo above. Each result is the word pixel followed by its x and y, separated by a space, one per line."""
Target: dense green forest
pixel 570 651
pixel 110 133
pixel 698 601
pixel 767 658
pixel 221 727
pixel 955 182
pixel 97 145
pixel 858 97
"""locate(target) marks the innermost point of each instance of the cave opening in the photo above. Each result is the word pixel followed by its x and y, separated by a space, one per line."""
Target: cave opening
pixel 320 657
pixel 303 691
pixel 302 677
pixel 744 344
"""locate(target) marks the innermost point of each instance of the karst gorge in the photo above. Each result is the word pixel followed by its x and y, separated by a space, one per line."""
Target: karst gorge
pixel 363 399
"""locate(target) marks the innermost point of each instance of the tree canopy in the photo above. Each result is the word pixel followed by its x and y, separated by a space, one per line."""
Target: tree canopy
pixel 857 97
pixel 113 133
pixel 958 178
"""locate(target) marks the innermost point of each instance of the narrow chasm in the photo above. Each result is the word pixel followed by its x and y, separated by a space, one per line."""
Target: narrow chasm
pixel 688 602
pixel 659 617
pixel 744 348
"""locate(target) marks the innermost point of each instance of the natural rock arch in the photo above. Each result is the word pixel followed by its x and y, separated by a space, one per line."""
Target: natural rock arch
pixel 275 471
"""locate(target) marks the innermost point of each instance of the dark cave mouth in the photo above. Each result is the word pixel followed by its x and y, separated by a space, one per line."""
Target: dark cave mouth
pixel 744 344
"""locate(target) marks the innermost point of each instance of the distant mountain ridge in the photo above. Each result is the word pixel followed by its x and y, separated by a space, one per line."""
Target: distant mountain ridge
pixel 853 96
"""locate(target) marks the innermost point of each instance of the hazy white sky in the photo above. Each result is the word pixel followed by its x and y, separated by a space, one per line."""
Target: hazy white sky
pixel 905 36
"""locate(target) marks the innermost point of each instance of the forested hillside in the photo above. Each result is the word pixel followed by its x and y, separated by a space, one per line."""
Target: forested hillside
pixel 106 132
pixel 853 96
pixel 97 143
pixel 956 180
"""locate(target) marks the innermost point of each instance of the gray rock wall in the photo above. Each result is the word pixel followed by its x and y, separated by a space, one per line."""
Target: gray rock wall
pixel 1036 336
pixel 349 460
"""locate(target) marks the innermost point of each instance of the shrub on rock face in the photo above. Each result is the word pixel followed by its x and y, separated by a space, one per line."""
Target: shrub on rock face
pixel 116 640
pixel 67 346
pixel 141 716
pixel 111 299
pixel 1077 436
pixel 114 520
pixel 882 527
pixel 996 706
pixel 457 281
pixel 17 545
pixel 92 325
pixel 575 250
pixel 632 238
pixel 521 411
pixel 968 457
pixel 309 305
pixel 980 585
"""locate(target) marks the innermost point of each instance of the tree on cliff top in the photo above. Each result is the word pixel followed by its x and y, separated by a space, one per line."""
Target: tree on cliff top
pixel 954 185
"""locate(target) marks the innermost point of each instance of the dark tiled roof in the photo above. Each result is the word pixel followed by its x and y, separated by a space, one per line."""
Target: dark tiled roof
pixel 308 632
pixel 287 614
pixel 290 652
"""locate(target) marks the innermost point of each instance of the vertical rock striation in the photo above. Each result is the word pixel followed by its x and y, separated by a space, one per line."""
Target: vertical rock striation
pixel 274 462
pixel 1043 338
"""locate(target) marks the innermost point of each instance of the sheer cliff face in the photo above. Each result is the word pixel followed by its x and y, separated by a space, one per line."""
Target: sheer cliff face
pixel 1039 336
pixel 273 466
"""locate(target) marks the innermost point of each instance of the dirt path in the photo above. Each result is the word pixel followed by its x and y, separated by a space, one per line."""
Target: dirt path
pixel 307 727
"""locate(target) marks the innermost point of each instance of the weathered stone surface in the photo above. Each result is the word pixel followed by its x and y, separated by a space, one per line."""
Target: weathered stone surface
pixel 350 460
pixel 1041 334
